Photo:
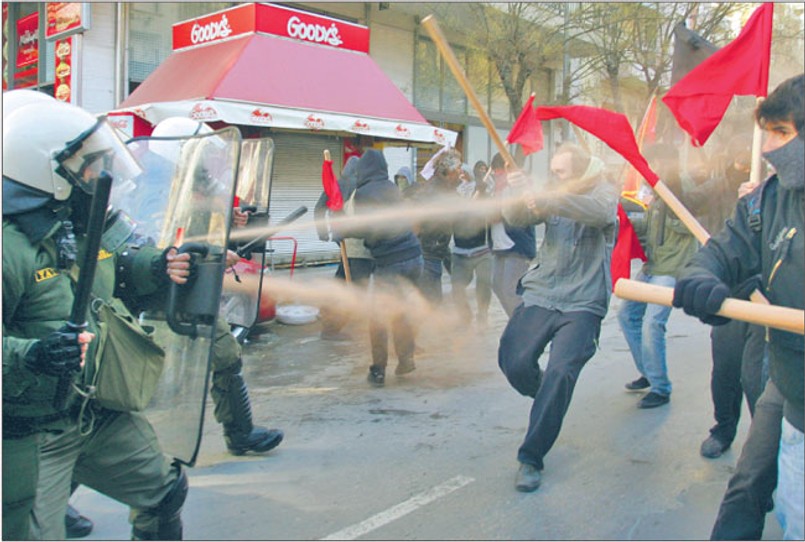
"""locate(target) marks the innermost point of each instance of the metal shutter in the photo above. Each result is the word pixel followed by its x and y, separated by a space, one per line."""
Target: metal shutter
pixel 297 181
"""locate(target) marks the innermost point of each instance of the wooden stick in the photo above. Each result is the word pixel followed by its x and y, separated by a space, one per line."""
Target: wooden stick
pixel 342 245
pixel 438 38
pixel 784 318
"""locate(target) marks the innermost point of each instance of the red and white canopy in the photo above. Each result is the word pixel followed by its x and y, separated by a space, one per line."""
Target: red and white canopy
pixel 235 66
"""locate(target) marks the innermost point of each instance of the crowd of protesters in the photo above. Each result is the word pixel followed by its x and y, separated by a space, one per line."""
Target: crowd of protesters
pixel 558 293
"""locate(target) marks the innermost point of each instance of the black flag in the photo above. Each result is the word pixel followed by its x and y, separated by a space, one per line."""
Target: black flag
pixel 690 49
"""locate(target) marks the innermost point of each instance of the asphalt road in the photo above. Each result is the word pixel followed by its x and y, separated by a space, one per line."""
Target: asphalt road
pixel 433 454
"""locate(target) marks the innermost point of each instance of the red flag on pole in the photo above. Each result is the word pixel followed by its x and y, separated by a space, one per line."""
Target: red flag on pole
pixel 527 130
pixel 627 248
pixel 700 99
pixel 611 128
pixel 334 200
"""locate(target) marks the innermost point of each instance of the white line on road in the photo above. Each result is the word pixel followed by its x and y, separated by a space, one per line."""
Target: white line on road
pixel 395 512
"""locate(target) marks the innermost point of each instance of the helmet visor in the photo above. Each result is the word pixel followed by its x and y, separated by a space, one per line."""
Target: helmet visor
pixel 96 151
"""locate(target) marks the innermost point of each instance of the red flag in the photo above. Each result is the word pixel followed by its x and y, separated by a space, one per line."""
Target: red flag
pixel 611 128
pixel 700 99
pixel 527 130
pixel 334 200
pixel 627 248
pixel 646 133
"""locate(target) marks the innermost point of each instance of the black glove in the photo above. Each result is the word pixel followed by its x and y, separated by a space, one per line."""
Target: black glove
pixel 58 354
pixel 702 296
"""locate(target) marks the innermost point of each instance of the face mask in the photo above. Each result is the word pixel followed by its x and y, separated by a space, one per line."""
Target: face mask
pixel 789 162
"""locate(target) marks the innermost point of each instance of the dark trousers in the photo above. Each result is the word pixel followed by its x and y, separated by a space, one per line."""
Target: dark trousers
pixel 392 284
pixel 360 271
pixel 743 509
pixel 573 337
pixel 738 351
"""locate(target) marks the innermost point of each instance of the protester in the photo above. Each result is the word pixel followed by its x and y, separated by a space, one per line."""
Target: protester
pixel 765 236
pixel 668 247
pixel 398 266
pixel 737 347
pixel 565 295
pixel 513 247
pixel 434 233
pixel 471 255
pixel 46 186
pixel 359 259
pixel 404 179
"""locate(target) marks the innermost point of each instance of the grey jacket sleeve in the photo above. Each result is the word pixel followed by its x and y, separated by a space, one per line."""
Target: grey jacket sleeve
pixel 596 208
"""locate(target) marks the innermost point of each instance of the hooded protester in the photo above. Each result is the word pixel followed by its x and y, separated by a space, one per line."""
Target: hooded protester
pixel 359 259
pixel 398 265
pixel 404 179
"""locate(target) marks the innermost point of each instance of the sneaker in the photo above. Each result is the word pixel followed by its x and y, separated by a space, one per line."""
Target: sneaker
pixel 377 376
pixel 653 400
pixel 639 384
pixel 528 478
pixel 713 447
pixel 404 367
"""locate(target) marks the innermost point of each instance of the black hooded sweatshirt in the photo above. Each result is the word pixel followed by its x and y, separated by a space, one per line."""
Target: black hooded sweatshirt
pixel 392 241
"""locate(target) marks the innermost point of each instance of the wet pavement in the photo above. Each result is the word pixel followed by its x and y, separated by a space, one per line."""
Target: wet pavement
pixel 432 455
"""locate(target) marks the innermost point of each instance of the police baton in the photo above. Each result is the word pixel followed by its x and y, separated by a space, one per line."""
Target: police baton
pixel 86 275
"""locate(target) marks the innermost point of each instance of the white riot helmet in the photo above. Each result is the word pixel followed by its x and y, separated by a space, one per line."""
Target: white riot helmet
pixel 14 99
pixel 51 147
pixel 176 127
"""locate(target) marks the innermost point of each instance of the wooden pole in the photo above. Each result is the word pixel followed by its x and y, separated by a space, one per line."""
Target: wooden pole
pixel 784 318
pixel 342 244
pixel 438 38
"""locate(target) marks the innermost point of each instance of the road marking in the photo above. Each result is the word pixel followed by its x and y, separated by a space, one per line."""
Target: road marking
pixel 396 512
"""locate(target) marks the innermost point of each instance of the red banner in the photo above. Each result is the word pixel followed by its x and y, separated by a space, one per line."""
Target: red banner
pixel 28 40
pixel 63 87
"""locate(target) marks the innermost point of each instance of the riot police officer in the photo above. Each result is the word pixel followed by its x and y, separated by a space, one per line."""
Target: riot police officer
pixel 48 178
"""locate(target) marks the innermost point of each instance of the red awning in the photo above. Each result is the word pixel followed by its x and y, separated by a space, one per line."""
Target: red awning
pixel 272 81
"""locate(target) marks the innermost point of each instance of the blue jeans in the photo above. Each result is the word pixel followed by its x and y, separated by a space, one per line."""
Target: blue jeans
pixel 430 282
pixel 643 326
pixel 791 482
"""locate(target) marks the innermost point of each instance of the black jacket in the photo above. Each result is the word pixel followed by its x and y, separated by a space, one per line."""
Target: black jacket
pixel 391 241
pixel 766 236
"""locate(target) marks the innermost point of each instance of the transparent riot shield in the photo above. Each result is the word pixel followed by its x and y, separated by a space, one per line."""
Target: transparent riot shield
pixel 183 199
pixel 240 304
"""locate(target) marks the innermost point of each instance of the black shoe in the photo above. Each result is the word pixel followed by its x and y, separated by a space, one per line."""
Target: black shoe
pixel 260 440
pixel 528 478
pixel 377 376
pixel 76 525
pixel 713 447
pixel 653 400
pixel 639 384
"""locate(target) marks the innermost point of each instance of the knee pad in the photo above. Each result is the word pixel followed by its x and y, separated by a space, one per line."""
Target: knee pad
pixel 172 503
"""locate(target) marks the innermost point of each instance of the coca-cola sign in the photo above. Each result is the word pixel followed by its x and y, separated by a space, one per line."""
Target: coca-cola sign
pixel 203 112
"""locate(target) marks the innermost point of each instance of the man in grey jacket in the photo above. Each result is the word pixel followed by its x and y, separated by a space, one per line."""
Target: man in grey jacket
pixel 565 295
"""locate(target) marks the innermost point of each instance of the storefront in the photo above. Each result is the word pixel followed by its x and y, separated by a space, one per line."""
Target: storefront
pixel 305 80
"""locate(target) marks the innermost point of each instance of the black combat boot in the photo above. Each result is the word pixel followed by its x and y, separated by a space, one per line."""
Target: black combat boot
pixel 76 525
pixel 241 434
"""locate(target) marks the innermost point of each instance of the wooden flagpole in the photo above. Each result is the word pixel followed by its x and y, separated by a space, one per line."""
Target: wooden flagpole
pixel 438 38
pixel 784 318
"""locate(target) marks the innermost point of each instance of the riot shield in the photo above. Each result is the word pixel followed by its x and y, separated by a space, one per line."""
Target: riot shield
pixel 240 303
pixel 184 199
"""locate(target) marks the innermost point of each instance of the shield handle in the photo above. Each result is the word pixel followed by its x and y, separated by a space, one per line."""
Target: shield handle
pixel 176 324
